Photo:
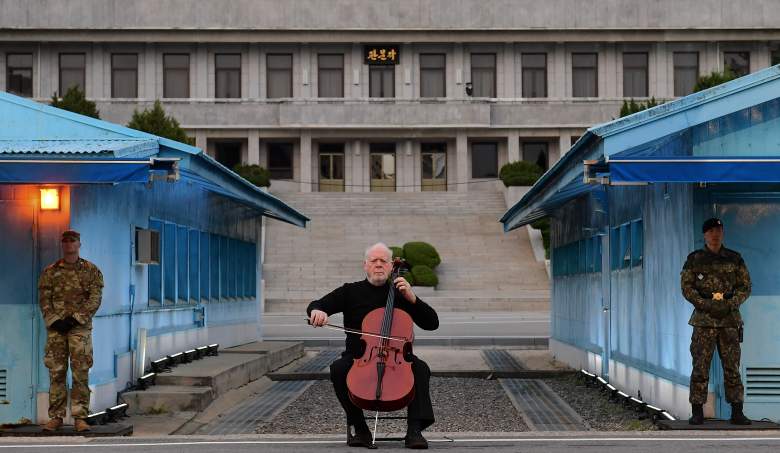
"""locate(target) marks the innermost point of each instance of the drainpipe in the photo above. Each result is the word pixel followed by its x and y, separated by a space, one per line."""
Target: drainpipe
pixel 606 287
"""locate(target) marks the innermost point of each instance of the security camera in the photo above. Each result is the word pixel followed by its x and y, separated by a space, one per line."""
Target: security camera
pixel 469 88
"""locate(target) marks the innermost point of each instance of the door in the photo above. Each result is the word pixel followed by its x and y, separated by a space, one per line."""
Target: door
pixel 331 168
pixel 751 224
pixel 18 346
pixel 434 167
pixel 382 167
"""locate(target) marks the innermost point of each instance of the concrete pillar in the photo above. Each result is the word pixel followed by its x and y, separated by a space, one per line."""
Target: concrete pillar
pixel 458 91
pixel 201 140
pixel 199 85
pixel 564 143
pixel 513 146
pixel 306 71
pixel 407 169
pixel 508 86
pixel 151 90
pixel 253 147
pixel 462 153
pixel 306 177
pixel 356 174
pixel 558 86
pixel 663 86
pixel 96 88
pixel 253 74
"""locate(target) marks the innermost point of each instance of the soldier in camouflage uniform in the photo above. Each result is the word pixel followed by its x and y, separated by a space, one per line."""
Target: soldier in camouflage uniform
pixel 716 282
pixel 69 293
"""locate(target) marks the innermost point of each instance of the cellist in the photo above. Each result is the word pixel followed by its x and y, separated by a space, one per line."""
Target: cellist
pixel 355 301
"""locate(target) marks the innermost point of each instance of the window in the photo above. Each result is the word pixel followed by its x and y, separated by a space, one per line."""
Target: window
pixel 228 75
pixel 330 76
pixel 169 263
pixel 737 62
pixel 484 160
pixel 534 75
pixel 280 160
pixel 228 153
pixel 72 71
pixel 635 75
pixel 279 75
pixel 124 75
pixel 19 72
pixel 536 153
pixel 686 72
pixel 637 243
pixel 433 75
pixel 584 75
pixel 176 75
pixel 381 81
pixel 155 270
pixel 483 74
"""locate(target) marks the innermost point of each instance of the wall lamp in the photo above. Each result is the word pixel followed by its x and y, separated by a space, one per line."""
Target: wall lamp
pixel 50 199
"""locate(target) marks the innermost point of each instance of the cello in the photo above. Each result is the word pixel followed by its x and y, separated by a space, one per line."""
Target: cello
pixel 382 379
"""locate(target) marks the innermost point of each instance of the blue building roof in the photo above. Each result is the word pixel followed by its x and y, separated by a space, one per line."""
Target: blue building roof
pixel 40 144
pixel 728 133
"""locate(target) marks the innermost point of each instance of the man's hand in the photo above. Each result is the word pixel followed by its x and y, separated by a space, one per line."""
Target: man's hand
pixel 406 289
pixel 318 318
pixel 72 322
pixel 717 296
pixel 60 326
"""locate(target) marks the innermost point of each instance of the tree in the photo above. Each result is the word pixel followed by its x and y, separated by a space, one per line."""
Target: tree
pixel 75 101
pixel 714 79
pixel 630 107
pixel 154 121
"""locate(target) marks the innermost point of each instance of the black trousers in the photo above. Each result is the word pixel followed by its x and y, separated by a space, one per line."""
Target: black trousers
pixel 419 410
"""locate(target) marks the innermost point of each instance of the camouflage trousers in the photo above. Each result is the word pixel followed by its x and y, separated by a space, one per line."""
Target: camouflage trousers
pixel 703 343
pixel 75 345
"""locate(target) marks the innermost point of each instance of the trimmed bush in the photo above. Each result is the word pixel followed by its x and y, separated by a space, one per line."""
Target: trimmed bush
pixel 398 252
pixel 407 274
pixel 424 276
pixel 421 253
pixel 255 174
pixel 520 173
pixel 544 226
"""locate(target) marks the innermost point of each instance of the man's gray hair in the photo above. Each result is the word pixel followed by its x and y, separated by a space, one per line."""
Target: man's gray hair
pixel 380 245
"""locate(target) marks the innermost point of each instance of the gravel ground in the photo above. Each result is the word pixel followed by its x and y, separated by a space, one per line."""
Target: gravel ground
pixel 595 408
pixel 459 404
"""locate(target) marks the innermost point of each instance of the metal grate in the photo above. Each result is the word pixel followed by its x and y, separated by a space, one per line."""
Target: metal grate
pixel 541 408
pixel 500 360
pixel 244 418
pixel 3 384
pixel 762 382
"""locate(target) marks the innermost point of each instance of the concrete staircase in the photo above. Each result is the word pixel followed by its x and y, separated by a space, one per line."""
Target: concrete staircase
pixel 482 269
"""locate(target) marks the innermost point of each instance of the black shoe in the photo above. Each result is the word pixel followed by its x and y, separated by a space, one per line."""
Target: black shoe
pixel 737 417
pixel 697 417
pixel 359 437
pixel 415 440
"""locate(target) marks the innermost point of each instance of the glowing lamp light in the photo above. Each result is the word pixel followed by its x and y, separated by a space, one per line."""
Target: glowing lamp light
pixel 50 199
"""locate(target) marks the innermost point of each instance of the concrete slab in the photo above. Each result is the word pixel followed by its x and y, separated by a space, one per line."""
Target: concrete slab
pixel 161 399
pixel 715 425
pixel 107 430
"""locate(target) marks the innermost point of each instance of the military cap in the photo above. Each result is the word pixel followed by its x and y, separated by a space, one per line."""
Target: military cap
pixel 71 234
pixel 711 223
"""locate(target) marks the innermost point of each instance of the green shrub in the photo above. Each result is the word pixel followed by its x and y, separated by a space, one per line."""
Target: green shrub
pixel 398 252
pixel 520 173
pixel 407 274
pixel 544 226
pixel 630 107
pixel 421 253
pixel 255 174
pixel 715 78
pixel 424 276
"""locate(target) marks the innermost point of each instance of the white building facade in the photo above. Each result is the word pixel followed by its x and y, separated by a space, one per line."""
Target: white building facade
pixel 370 95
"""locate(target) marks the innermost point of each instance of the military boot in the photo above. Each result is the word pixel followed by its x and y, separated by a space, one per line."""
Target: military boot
pixel 697 416
pixel 81 425
pixel 53 425
pixel 737 417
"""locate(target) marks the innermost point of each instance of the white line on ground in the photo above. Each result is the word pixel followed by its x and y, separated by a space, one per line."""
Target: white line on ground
pixel 476 440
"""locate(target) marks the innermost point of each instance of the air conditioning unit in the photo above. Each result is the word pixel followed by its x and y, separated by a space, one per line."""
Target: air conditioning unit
pixel 147 246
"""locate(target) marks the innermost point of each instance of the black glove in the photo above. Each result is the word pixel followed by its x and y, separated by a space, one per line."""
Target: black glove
pixel 60 326
pixel 720 309
pixel 72 322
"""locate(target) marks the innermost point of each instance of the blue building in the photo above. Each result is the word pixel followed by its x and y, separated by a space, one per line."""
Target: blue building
pixel 626 205
pixel 177 236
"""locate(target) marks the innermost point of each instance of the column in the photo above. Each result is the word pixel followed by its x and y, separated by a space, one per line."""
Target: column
pixel 253 147
pixel 201 141
pixel 513 146
pixel 407 179
pixel 564 143
pixel 253 74
pixel 461 153
pixel 199 83
pixel 559 87
pixel 508 90
pixel 306 179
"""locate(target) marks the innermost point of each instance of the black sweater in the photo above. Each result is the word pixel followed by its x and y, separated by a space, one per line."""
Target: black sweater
pixel 357 299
